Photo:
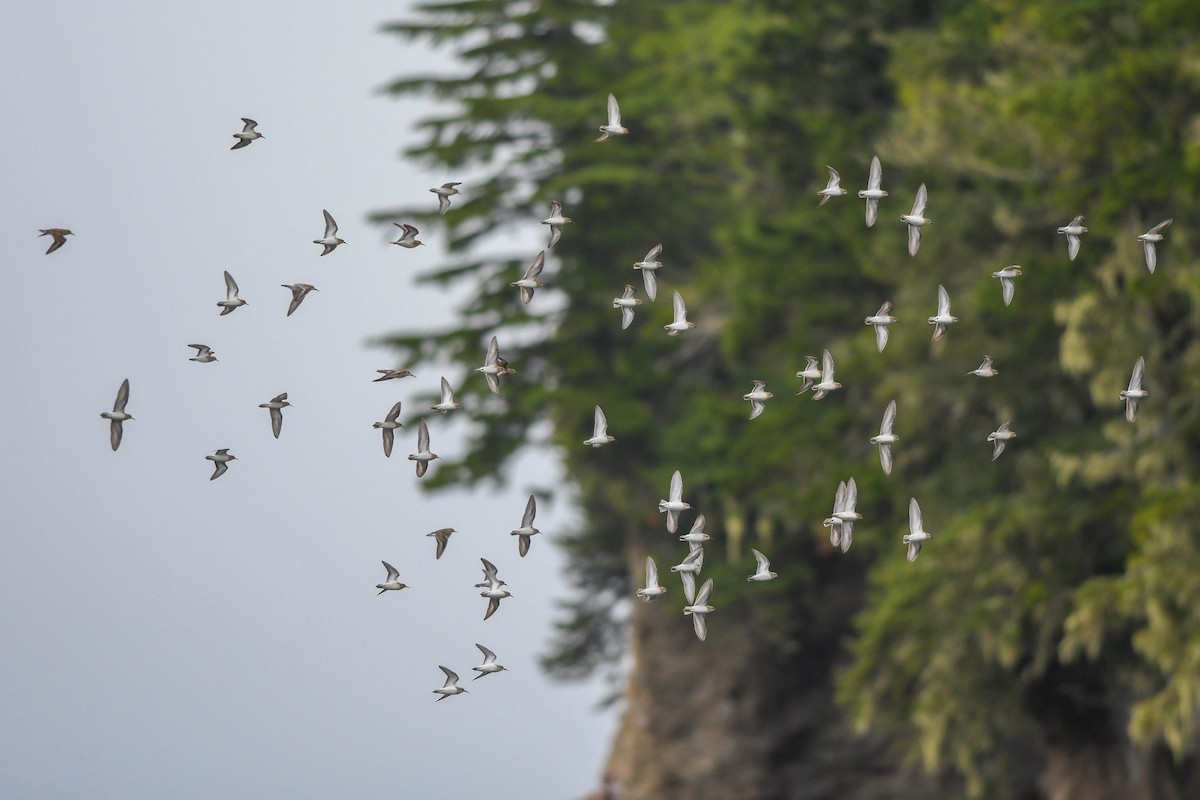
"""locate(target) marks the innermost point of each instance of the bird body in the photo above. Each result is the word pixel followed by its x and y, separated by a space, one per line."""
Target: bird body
pixel 299 292
pixel 247 135
pixel 1000 437
pixel 943 318
pixel 1148 240
pixel 1135 392
pixel 886 438
pixel 220 459
pixel 680 322
pixel 392 582
pixel 873 194
pixel 626 302
pixel 1007 287
pixel 330 240
pixel 276 406
pixel 408 236
pixel 650 265
pixel 600 434
pixel 652 589
pixel 231 301
pixel 423 455
pixel 758 395
pixel 444 193
pixel 530 281
pixel 526 532
pixel 699 609
pixel 117 416
pixel 881 319
pixel 450 687
pixel 447 404
pixel 811 374
pixel 489 665
pixel 832 189
pixel 916 220
pixel 827 384
pixel 614 127
pixel 556 220
pixel 674 502
pixel 985 370
pixel 762 570
pixel 389 425
pixel 442 535
pixel 917 535
pixel 1073 230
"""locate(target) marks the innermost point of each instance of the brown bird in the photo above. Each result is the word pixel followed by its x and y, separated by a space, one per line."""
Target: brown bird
pixel 60 237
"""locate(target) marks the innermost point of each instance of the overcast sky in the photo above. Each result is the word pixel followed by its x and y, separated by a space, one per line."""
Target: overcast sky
pixel 164 635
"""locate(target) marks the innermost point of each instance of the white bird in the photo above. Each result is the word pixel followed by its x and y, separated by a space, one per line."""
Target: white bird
pixel 489 664
pixel 408 236
pixel 276 406
pixel 652 589
pixel 841 521
pixel 330 240
pixel 495 591
pixel 1148 240
pixel 916 219
pixel 758 395
pixel 833 188
pixel 873 194
pixel 886 438
pixel 392 582
pixel 696 535
pixel 811 374
pixel 490 575
pixel 389 425
pixel 231 300
pixel 1007 287
pixel 674 502
pixel 450 687
pixel 442 535
pixel 526 531
pixel 985 370
pixel 117 416
pixel 220 459
pixel 688 569
pixel 1135 391
pixel 422 456
pixel 940 320
pixel 699 610
pixel 762 570
pixel 493 366
pixel 299 292
pixel 881 319
pixel 1000 437
pixel 530 281
pixel 917 533
pixel 614 127
pixel 556 220
pixel 680 323
pixel 447 403
pixel 626 303
pixel 444 193
pixel 827 384
pixel 1073 230
pixel 247 135
pixel 600 435
pixel 649 267
pixel 204 354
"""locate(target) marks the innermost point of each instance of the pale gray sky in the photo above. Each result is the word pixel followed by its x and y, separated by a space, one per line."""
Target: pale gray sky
pixel 167 635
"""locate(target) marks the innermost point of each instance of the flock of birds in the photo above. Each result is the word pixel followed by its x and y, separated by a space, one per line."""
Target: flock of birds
pixel 817 376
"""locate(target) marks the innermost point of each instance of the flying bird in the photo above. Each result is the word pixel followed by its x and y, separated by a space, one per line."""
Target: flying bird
pixel 614 127
pixel 699 610
pixel 392 375
pixel 886 438
pixel 118 416
pixel 495 591
pixel 299 292
pixel 494 366
pixel 59 235
pixel 408 236
pixel 220 459
pixel 762 570
pixel 1000 437
pixel 526 531
pixel 674 504
pixel 985 370
pixel 450 687
pixel 833 188
pixel 649 267
pixel 626 303
pixel 447 403
pixel 873 194
pixel 652 589
pixel 827 383
pixel 247 135
pixel 940 320
pixel 1148 240
pixel 530 281
pixel 204 354
pixel 758 396
pixel 489 664
pixel 231 301
pixel 422 456
pixel 688 569
pixel 1135 391
pixel 556 220
pixel 680 322
pixel 442 535
pixel 392 582
pixel 444 193
pixel 600 435
pixel 330 240
pixel 276 406
pixel 1007 286
pixel 916 219
pixel 841 521
pixel 916 533
pixel 881 319
pixel 389 425
pixel 696 535
pixel 1073 230
pixel 811 374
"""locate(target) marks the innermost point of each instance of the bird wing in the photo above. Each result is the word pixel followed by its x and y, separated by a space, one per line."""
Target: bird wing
pixel 997 448
pixel 555 235
pixel 1008 287
pixel 423 438
pixel 523 543
pixel 881 337
pixel 680 308
pixel 614 111
pixel 885 458
pixel 626 317
pixel 651 573
pixel 826 367
pixel 689 585
pixel 493 604
pixel 221 467
pixel 389 440
pixel 705 591
pixel 555 209
pixel 451 677
pixel 653 254
pixel 231 287
pixel 493 382
pixel 535 268
pixel 493 352
pixel 443 204
pixel 914 517
pixel 447 392
pixel 756 408
pixel 201 350
pixel 530 512
pixel 914 239
pixel 115 430
pixel 851 495
pixel 761 562
pixel 394 413
pixel 876 175
pixel 676 493
pixel 834 178
pixel 1072 246
pixel 1135 380
pixel 872 211
pixel 276 421
pixel 943 309
pixel 122 397
pixel 914 549
pixel 488 656
pixel 392 573
pixel 889 418
pixel 330 226
pixel 1151 256
pixel 250 125
pixel 698 525
pixel 651 282
pixel 918 208
pixel 700 624
pixel 599 424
